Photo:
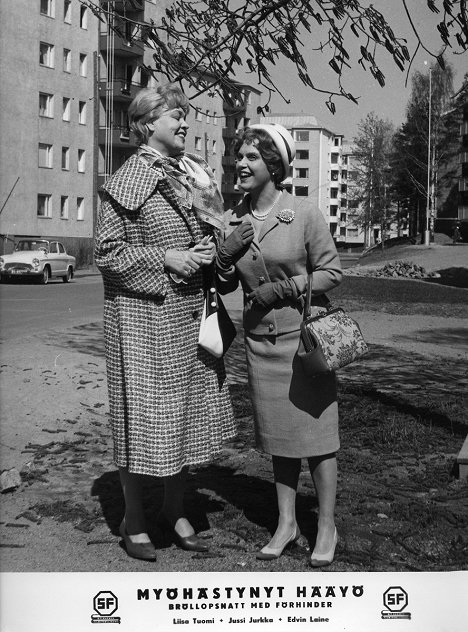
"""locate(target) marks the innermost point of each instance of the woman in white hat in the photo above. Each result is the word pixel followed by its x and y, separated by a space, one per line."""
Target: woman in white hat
pixel 273 241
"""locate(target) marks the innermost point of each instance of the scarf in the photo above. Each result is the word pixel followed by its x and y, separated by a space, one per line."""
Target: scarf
pixel 192 181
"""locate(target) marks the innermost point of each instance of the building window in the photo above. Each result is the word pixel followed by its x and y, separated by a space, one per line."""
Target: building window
pixel 333 193
pixel 45 156
pixel 215 118
pixel 44 205
pixel 198 143
pixel 46 105
pixel 334 175
pixel 46 55
pixel 353 233
pixel 83 65
pixel 301 191
pixel 302 154
pixel 344 174
pixel 342 217
pixel 81 160
pixel 64 207
pixel 333 210
pixel 67 11
pixel 343 231
pixel 333 228
pixel 198 115
pixel 344 189
pixel 65 158
pixel 337 141
pixel 301 172
pixel 80 209
pixel 208 117
pixel 66 109
pixel 83 17
pixel 301 135
pixel 334 159
pixel 48 8
pixel 82 112
pixel 66 60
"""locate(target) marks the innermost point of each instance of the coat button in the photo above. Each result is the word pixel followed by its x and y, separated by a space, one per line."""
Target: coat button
pixel 261 279
pixel 271 326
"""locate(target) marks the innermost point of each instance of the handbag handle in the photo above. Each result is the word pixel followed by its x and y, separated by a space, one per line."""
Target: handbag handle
pixel 308 302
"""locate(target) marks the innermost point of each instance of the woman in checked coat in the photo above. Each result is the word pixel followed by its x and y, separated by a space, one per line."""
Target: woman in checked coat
pixel 169 402
pixel 273 241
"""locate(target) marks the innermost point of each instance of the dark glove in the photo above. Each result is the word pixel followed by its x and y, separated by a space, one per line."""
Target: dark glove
pixel 232 246
pixel 269 293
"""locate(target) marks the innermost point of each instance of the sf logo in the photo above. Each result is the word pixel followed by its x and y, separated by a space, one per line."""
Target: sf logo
pixel 105 603
pixel 395 599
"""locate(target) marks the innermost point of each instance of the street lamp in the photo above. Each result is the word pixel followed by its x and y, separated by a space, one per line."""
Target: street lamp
pixel 427 231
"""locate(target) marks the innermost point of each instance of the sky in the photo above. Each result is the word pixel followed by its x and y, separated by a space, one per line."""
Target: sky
pixel 388 102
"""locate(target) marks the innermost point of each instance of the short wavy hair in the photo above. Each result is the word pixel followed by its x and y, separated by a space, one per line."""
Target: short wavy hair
pixel 150 103
pixel 267 150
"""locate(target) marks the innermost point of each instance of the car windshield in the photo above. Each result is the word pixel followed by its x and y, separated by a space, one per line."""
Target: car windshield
pixel 32 244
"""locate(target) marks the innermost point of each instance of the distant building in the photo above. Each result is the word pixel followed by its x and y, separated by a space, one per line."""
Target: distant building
pixel 47 120
pixel 463 179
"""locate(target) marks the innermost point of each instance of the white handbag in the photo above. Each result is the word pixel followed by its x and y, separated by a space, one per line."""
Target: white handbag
pixel 217 330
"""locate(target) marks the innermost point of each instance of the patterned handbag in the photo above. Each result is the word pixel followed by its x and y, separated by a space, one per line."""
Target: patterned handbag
pixel 329 340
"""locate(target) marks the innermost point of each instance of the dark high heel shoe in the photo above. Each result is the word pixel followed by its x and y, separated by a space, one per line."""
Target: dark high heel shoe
pixel 325 559
pixel 270 553
pixel 139 550
pixel 188 543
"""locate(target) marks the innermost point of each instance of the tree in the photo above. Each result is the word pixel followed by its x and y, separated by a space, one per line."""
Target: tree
pixel 220 36
pixel 372 148
pixel 422 144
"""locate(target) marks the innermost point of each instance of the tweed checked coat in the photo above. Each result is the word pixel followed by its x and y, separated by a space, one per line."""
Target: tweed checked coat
pixel 169 402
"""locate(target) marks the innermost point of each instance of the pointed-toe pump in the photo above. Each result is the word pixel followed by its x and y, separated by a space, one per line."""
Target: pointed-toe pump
pixel 271 553
pixel 188 543
pixel 139 550
pixel 325 559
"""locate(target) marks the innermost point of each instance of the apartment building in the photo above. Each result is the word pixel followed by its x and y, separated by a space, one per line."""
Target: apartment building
pixel 67 82
pixel 47 120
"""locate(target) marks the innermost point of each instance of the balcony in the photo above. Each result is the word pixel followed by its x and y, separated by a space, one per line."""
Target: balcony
pixel 122 90
pixel 123 47
pixel 120 137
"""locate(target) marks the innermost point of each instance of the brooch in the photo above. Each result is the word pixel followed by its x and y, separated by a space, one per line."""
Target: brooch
pixel 286 215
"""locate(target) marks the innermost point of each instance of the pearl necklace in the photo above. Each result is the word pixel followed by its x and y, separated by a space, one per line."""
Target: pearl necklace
pixel 261 217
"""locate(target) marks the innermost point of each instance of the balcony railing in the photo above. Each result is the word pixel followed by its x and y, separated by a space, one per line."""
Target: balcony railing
pixel 122 46
pixel 121 89
pixel 121 136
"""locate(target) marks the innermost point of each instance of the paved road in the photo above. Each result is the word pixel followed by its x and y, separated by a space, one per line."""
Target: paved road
pixel 28 308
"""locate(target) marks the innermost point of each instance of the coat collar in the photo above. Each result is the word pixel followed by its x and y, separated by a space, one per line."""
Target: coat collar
pixel 132 184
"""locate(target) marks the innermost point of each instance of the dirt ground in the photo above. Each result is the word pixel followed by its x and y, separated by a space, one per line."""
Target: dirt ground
pixel 65 513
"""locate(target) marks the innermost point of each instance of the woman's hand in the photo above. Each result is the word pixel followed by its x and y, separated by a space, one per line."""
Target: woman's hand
pixel 183 263
pixel 206 249
pixel 234 244
pixel 269 293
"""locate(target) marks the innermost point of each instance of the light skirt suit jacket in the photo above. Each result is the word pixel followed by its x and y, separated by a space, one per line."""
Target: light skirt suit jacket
pixel 295 415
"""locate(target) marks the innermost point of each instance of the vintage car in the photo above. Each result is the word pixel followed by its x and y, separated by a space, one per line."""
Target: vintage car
pixel 38 258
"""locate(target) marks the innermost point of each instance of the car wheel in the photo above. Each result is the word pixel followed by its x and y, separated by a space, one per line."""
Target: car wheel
pixel 45 276
pixel 68 276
